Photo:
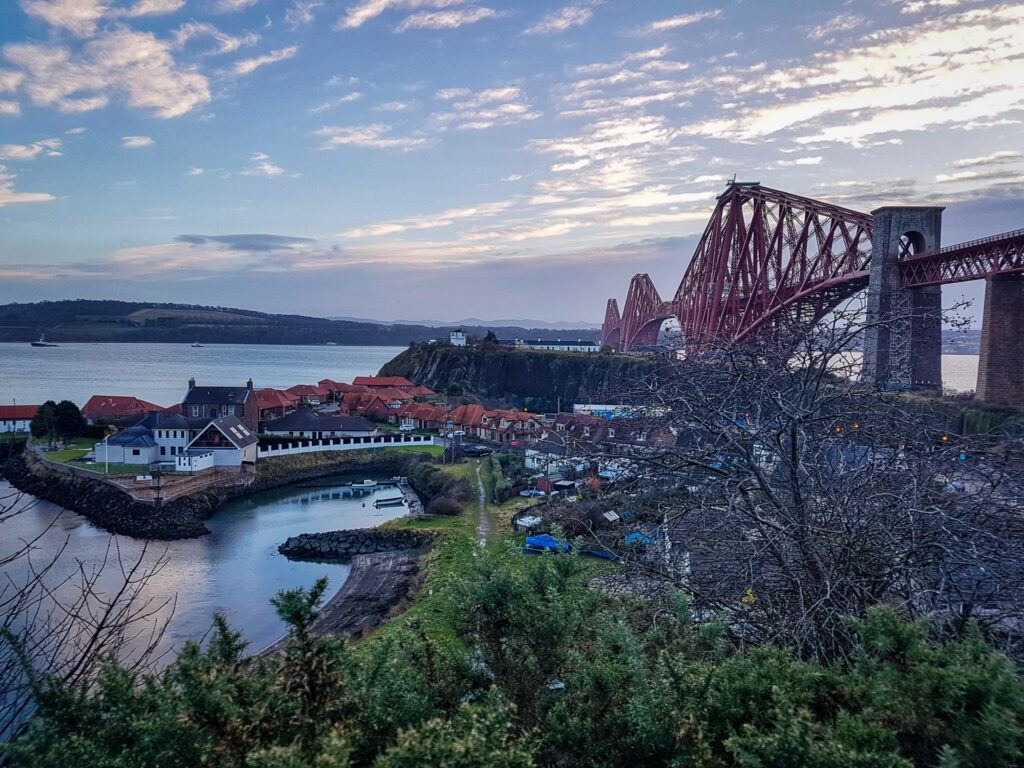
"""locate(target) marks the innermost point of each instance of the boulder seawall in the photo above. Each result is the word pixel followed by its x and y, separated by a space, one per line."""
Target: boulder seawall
pixel 343 545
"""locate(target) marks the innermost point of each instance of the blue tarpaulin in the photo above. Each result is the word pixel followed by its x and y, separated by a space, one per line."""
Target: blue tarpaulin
pixel 544 541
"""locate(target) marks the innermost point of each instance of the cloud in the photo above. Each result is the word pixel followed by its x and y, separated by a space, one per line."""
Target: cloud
pixel 75 131
pixel 444 19
pixel 513 177
pixel 247 66
pixel 232 6
pixel 682 21
pixel 77 16
pixel 301 13
pixel 484 109
pixel 249 242
pixel 358 14
pixel 844 22
pixel 350 97
pixel 996 158
pixel 373 136
pixel 10 108
pixel 51 147
pixel 194 172
pixel 153 8
pixel 260 165
pixel 225 43
pixel 962 71
pixel 393 106
pixel 8 196
pixel 136 142
pixel 10 79
pixel 571 16
pixel 135 65
pixel 430 221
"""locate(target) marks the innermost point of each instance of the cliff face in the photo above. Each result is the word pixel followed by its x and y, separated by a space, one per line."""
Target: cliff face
pixel 524 378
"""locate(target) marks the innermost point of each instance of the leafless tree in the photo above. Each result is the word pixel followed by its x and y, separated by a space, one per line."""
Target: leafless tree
pixel 794 495
pixel 60 623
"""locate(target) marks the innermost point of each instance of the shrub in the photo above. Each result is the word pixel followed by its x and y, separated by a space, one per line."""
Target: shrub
pixel 444 506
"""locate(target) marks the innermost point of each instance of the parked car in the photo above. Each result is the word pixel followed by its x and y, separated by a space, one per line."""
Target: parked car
pixel 406 428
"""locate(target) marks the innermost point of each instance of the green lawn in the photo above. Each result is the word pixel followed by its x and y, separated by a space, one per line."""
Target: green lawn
pixel 76 449
pixel 433 450
pixel 80 446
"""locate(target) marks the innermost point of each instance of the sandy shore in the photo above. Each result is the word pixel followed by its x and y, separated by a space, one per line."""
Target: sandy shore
pixel 377 584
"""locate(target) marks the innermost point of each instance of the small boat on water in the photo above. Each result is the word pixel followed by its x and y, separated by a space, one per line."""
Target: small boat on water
pixel 394 501
pixel 365 484
pixel 196 344
pixel 43 342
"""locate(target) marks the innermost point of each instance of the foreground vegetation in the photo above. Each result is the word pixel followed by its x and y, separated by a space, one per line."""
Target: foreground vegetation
pixel 539 670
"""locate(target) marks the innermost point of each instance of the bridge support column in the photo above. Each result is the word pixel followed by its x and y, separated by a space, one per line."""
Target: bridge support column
pixel 903 344
pixel 1001 366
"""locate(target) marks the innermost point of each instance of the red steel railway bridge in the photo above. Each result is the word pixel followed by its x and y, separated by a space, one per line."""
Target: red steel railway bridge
pixel 768 255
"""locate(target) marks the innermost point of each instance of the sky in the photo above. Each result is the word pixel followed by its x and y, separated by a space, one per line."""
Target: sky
pixel 441 159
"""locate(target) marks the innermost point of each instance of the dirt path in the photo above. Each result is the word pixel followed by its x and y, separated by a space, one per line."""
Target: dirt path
pixel 483 525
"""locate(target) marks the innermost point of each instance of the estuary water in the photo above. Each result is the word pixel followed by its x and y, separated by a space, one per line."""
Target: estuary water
pixel 234 570
pixel 159 373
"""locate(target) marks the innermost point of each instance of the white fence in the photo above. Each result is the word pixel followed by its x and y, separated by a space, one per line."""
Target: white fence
pixel 285 446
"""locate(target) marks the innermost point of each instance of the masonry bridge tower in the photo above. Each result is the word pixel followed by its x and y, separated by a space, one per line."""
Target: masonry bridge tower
pixel 903 344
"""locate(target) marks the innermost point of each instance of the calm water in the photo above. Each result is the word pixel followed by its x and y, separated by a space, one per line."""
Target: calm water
pixel 159 373
pixel 234 570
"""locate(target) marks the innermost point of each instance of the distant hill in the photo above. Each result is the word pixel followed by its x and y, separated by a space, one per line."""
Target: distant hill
pixel 86 320
pixel 474 322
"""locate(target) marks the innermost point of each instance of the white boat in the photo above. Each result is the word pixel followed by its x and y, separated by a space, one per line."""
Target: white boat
pixel 42 343
pixel 365 484
pixel 196 344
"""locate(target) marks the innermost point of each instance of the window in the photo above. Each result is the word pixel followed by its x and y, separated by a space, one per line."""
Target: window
pixel 611 432
pixel 135 451
pixel 586 431
pixel 163 450
pixel 195 410
pixel 231 410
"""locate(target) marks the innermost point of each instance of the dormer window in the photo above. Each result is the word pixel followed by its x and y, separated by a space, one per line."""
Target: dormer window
pixel 561 427
pixel 611 432
pixel 586 431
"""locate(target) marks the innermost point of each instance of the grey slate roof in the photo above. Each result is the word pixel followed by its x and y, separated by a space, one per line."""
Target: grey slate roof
pixel 216 395
pixel 173 421
pixel 235 431
pixel 133 437
pixel 305 420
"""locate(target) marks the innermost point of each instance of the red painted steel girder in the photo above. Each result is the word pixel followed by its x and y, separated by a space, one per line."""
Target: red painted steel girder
pixel 643 309
pixel 610 329
pixel 973 260
pixel 764 251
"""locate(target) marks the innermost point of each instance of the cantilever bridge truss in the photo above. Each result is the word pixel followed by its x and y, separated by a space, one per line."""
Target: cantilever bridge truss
pixel 766 255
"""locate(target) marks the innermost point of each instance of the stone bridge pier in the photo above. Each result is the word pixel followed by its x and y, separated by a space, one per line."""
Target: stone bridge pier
pixel 903 343
pixel 1001 366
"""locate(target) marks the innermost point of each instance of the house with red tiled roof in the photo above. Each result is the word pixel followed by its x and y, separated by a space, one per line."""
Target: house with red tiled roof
pixel 423 416
pixel 382 382
pixel 421 392
pixel 377 409
pixel 507 426
pixel 117 408
pixel 16 418
pixel 309 393
pixel 274 403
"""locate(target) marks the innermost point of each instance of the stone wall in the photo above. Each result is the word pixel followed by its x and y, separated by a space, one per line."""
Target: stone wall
pixel 342 545
pixel 1001 364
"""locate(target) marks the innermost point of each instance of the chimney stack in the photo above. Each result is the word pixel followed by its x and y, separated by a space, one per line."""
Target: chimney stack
pixel 248 384
pixel 192 383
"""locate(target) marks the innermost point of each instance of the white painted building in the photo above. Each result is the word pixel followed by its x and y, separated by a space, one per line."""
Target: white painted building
pixel 560 345
pixel 457 338
pixel 16 418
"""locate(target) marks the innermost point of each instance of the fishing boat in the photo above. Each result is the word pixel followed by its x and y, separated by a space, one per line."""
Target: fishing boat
pixel 43 342
pixel 196 343
pixel 394 501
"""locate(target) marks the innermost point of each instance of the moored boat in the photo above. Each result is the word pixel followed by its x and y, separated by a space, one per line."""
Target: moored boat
pixel 43 342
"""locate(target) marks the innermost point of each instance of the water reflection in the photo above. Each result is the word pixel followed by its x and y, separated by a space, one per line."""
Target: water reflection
pixel 234 570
